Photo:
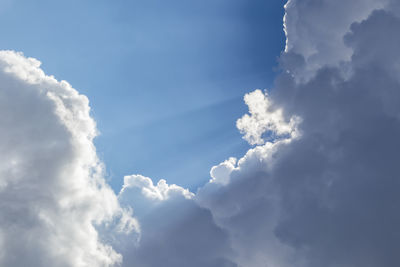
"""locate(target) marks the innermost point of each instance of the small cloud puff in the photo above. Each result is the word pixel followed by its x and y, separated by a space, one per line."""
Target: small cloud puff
pixel 265 121
pixel 160 192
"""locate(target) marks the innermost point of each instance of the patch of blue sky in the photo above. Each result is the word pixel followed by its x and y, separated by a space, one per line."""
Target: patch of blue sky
pixel 165 78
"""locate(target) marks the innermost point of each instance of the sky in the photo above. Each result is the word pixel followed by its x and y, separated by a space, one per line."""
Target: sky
pixel 308 174
pixel 165 79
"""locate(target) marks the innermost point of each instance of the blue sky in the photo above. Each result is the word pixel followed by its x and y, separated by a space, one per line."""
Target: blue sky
pixel 165 78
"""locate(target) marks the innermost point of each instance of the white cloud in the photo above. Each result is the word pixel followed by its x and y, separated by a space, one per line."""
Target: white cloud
pixel 326 197
pixel 52 193
pixel 161 191
pixel 221 173
pixel 265 119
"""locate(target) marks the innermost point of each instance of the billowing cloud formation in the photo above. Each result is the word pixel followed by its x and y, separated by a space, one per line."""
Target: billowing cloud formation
pixel 52 194
pixel 175 230
pixel 315 29
pixel 329 195
pixel 320 187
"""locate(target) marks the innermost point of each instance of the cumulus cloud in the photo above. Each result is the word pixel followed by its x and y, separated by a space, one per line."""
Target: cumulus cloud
pixel 221 173
pixel 52 194
pixel 327 196
pixel 318 187
pixel 264 119
pixel 175 230
pixel 161 191
pixel 314 31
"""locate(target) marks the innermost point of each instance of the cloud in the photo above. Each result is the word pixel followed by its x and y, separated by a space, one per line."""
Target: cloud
pixel 319 187
pixel 52 194
pixel 315 29
pixel 329 197
pixel 264 119
pixel 175 231
pixel 161 191
pixel 221 173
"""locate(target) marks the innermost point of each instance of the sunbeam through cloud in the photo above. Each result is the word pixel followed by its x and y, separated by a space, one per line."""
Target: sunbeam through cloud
pixel 317 185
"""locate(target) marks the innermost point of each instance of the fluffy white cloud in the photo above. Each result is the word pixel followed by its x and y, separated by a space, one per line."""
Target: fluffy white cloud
pixel 52 194
pixel 161 191
pixel 221 173
pixel 327 197
pixel 264 119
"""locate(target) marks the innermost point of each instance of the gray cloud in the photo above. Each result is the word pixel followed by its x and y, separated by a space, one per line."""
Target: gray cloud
pixel 315 28
pixel 175 231
pixel 324 192
pixel 330 197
